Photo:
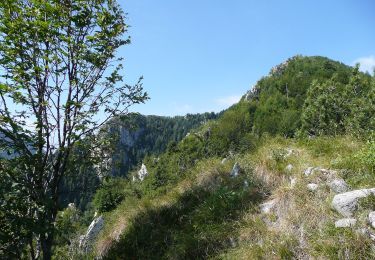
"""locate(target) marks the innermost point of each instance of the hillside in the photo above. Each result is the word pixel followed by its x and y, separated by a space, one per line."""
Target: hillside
pixel 141 135
pixel 259 182
pixel 134 137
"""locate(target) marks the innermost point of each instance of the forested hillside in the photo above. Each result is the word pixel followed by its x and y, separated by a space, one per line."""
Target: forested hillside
pixel 141 135
pixel 134 137
pixel 241 186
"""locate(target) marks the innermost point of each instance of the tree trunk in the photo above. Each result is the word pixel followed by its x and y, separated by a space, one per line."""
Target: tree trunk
pixel 46 244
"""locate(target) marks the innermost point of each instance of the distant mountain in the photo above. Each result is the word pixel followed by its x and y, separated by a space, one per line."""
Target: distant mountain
pixel 141 135
pixel 138 136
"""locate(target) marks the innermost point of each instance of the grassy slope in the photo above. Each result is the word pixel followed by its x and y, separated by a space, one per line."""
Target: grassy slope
pixel 210 215
pixel 189 206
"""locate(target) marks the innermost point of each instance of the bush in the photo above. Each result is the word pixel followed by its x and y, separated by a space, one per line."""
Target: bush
pixel 108 196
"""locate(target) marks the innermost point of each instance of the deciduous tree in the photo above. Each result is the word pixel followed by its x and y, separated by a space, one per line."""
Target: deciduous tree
pixel 60 82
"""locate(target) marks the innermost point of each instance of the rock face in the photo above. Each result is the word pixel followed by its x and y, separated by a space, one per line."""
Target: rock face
pixel 93 230
pixel 236 170
pixel 338 186
pixel 346 203
pixel 312 186
pixel 345 222
pixel 371 218
pixel 142 173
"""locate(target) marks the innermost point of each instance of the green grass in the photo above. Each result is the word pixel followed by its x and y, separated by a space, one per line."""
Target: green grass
pixel 207 214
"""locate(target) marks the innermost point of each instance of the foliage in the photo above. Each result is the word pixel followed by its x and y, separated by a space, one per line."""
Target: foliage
pixel 230 129
pixel 59 71
pixel 67 225
pixel 109 195
pixel 200 222
pixel 145 135
pixel 279 97
pixel 333 108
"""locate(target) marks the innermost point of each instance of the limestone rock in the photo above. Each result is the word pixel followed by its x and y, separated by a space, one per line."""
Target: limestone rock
pixel 289 168
pixel 142 173
pixel 236 170
pixel 371 218
pixel 93 230
pixel 338 186
pixel 293 182
pixel 345 222
pixel 312 186
pixel 289 152
pixel 346 203
pixel 267 206
pixel 309 171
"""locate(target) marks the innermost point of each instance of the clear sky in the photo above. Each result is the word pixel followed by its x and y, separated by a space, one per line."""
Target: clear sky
pixel 202 55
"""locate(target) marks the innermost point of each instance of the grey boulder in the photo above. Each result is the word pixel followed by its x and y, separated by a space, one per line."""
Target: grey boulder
pixel 345 222
pixel 346 203
pixel 338 186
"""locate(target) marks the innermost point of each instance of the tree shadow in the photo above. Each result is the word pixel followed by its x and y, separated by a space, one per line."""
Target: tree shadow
pixel 200 224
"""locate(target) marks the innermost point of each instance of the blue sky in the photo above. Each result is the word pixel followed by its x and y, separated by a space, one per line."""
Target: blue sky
pixel 202 55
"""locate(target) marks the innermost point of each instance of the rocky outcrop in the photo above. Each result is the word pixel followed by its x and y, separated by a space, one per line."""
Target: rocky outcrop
pixel 338 186
pixel 371 218
pixel 236 170
pixel 346 203
pixel 86 241
pixel 345 222
pixel 142 173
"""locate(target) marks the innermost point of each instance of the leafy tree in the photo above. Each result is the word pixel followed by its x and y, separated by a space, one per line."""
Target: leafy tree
pixel 333 108
pixel 60 82
pixel 109 195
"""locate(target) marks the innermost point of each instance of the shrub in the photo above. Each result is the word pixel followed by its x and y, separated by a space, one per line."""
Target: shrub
pixel 108 196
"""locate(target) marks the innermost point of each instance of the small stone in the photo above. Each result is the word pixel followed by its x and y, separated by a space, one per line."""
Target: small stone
pixel 338 186
pixel 232 242
pixel 293 182
pixel 246 184
pixel 371 218
pixel 312 186
pixel 267 206
pixel 289 152
pixel 224 160
pixel 289 168
pixel 236 170
pixel 309 171
pixel 345 222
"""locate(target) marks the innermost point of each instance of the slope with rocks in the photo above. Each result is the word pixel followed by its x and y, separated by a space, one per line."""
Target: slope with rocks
pixel 233 189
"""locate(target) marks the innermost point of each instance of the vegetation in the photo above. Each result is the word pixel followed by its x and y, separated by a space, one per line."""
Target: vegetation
pixel 145 135
pixel 65 136
pixel 59 71
pixel 189 207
